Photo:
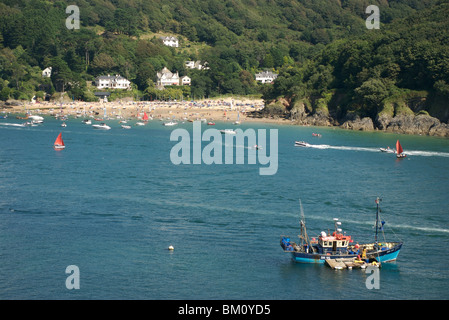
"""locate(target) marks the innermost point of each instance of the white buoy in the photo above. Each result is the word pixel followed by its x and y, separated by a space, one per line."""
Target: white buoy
pixel 171 248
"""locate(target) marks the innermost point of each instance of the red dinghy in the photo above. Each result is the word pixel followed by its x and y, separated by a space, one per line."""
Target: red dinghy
pixel 59 143
pixel 400 153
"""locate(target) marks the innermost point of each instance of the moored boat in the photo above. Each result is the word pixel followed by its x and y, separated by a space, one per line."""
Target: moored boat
pixel 338 245
pixel 170 123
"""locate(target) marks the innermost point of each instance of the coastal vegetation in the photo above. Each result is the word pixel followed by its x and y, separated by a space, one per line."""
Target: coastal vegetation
pixel 332 68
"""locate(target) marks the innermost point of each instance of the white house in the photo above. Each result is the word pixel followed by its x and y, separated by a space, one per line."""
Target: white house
pixel 196 65
pixel 186 81
pixel 170 41
pixel 266 76
pixel 167 78
pixel 112 82
pixel 47 72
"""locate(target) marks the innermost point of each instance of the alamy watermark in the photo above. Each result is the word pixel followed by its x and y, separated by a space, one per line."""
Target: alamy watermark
pixel 189 150
pixel 73 280
pixel 373 21
pixel 373 280
pixel 72 21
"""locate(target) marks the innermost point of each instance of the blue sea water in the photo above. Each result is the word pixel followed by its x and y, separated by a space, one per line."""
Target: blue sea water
pixel 112 202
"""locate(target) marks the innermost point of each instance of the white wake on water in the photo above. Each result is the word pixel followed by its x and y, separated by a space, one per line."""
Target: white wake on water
pixel 411 152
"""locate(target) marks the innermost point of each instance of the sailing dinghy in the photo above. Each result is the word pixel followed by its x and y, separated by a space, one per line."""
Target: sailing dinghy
pixel 400 153
pixel 59 143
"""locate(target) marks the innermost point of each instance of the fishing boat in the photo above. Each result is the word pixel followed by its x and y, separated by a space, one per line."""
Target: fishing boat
pixel 338 245
pixel 59 143
pixel 103 126
pixel 400 153
pixel 301 144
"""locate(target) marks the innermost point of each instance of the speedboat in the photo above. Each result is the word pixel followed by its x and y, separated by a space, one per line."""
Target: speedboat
pixel 101 126
pixel 301 144
pixel 387 150
pixel 228 131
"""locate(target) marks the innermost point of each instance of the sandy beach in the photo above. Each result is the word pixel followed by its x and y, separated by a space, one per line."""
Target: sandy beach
pixel 211 110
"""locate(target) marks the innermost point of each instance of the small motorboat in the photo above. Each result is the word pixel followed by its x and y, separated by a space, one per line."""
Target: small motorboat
pixel 101 126
pixel 63 125
pixel 228 131
pixel 140 123
pixel 171 123
pixel 126 126
pixel 87 121
pixel 211 123
pixel 316 135
pixel 387 150
pixel 301 144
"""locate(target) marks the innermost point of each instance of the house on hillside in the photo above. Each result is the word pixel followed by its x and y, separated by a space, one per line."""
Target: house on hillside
pixel 196 65
pixel 112 82
pixel 266 76
pixel 170 41
pixel 186 81
pixel 166 78
pixel 47 72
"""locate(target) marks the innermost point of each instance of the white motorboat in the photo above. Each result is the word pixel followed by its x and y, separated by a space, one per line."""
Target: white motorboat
pixel 87 121
pixel 387 150
pixel 228 131
pixel 171 123
pixel 301 144
pixel 126 127
pixel 101 126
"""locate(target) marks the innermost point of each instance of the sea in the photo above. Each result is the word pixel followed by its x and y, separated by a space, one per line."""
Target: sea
pixel 96 220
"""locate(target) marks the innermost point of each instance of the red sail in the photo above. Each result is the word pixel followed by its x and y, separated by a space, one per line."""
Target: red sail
pixel 145 116
pixel 59 141
pixel 398 147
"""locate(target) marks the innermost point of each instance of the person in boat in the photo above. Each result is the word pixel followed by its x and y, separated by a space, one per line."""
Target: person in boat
pixel 364 253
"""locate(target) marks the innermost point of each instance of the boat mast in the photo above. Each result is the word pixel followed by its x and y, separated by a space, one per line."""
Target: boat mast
pixel 377 218
pixel 303 236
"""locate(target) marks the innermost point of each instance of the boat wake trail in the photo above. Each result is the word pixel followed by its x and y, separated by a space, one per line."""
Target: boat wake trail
pixel 410 153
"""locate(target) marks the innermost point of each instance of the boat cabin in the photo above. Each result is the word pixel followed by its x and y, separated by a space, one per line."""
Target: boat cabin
pixel 336 242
